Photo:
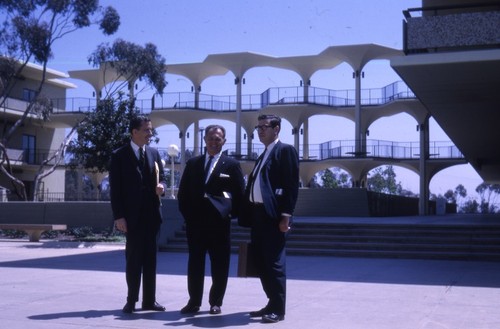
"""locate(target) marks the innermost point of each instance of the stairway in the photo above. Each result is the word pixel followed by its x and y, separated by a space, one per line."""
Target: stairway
pixel 419 241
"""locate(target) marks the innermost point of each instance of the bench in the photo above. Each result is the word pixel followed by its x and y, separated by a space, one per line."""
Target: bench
pixel 33 230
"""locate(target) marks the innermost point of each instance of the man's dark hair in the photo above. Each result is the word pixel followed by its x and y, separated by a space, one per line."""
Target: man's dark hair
pixel 137 121
pixel 274 120
pixel 212 127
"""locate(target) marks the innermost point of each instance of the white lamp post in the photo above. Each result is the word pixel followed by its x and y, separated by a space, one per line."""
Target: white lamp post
pixel 173 152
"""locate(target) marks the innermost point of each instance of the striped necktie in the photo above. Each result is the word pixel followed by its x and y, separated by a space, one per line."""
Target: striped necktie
pixel 141 157
pixel 207 167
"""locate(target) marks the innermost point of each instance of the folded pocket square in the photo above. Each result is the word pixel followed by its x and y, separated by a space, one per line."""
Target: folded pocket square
pixel 224 175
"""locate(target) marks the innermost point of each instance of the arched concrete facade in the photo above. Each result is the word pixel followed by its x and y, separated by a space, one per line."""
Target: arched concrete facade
pixel 299 113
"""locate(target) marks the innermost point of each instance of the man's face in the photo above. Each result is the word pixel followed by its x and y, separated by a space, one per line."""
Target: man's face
pixel 214 140
pixel 267 134
pixel 142 136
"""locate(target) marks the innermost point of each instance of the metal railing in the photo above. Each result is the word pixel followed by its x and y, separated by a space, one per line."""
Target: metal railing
pixel 72 196
pixel 283 96
pixel 250 102
pixel 334 149
pixel 30 156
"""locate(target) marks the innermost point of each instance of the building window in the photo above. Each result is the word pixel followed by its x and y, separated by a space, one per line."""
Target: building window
pixel 29 148
pixel 28 95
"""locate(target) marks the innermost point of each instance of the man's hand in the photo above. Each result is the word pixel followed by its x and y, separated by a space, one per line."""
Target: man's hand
pixel 121 224
pixel 160 189
pixel 284 224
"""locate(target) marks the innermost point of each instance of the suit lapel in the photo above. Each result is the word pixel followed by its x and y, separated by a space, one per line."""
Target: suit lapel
pixel 149 157
pixel 271 155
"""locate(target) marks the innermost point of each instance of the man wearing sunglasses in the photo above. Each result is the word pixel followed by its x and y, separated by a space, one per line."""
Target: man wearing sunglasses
pixel 270 198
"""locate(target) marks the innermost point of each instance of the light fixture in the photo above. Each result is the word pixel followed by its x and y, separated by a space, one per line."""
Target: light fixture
pixel 173 152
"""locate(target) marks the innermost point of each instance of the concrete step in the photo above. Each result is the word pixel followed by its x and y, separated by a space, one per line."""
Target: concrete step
pixel 426 241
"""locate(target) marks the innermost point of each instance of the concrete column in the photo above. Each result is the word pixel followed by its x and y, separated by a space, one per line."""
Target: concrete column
pixel 305 140
pixel 423 208
pixel 296 138
pixel 182 134
pixel 238 115
pixel 249 143
pixel 360 138
pixel 197 97
pixel 306 91
pixel 196 144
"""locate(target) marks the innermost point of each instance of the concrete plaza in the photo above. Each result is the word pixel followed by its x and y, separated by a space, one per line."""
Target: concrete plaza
pixel 58 285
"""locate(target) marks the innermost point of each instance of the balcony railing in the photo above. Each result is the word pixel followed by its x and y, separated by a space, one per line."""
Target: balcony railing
pixel 284 96
pixel 335 149
pixel 270 97
pixel 30 156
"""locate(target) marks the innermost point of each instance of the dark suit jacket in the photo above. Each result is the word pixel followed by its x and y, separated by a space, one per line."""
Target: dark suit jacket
pixel 126 183
pixel 279 182
pixel 226 177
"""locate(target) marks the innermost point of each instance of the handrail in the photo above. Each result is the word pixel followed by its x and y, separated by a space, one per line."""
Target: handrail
pixel 285 96
pixel 250 102
pixel 407 12
pixel 345 149
pixel 333 149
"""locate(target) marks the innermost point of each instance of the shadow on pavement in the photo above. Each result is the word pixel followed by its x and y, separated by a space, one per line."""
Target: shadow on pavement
pixel 174 318
pixel 368 270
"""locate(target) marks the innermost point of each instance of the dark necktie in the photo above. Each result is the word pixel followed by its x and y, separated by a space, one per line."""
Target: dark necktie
pixel 141 158
pixel 207 166
pixel 255 173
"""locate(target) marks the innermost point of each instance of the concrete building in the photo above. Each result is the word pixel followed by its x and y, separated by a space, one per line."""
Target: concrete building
pixel 452 76
pixel 452 64
pixel 36 140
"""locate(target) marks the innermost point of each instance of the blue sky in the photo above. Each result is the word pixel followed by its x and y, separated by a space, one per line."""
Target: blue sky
pixel 189 30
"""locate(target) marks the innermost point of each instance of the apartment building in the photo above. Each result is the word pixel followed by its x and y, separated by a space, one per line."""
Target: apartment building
pixel 35 140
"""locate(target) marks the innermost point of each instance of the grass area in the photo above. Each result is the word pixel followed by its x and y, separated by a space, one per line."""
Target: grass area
pixel 82 234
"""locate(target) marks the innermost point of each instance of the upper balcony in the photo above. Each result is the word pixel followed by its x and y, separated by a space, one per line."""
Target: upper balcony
pixel 272 96
pixel 451 28
pixel 284 95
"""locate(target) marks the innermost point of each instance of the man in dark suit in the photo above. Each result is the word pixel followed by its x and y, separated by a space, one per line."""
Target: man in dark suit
pixel 270 199
pixel 137 181
pixel 210 193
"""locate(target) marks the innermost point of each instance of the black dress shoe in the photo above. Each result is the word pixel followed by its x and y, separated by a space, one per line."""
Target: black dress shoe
pixel 153 307
pixel 272 318
pixel 259 313
pixel 190 309
pixel 215 309
pixel 129 308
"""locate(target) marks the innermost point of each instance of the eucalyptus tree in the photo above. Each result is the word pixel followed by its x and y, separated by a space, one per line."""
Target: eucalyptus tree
pixel 106 128
pixel 28 33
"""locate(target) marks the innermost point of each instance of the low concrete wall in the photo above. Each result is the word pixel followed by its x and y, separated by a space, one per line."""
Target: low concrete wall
pixel 312 202
pixel 97 215
pixel 172 221
pixel 73 214
pixel 334 202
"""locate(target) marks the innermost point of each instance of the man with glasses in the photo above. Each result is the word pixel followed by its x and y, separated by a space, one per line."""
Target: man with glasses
pixel 270 198
pixel 210 194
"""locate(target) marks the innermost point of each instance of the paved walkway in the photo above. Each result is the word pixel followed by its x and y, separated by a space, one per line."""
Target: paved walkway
pixel 58 285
